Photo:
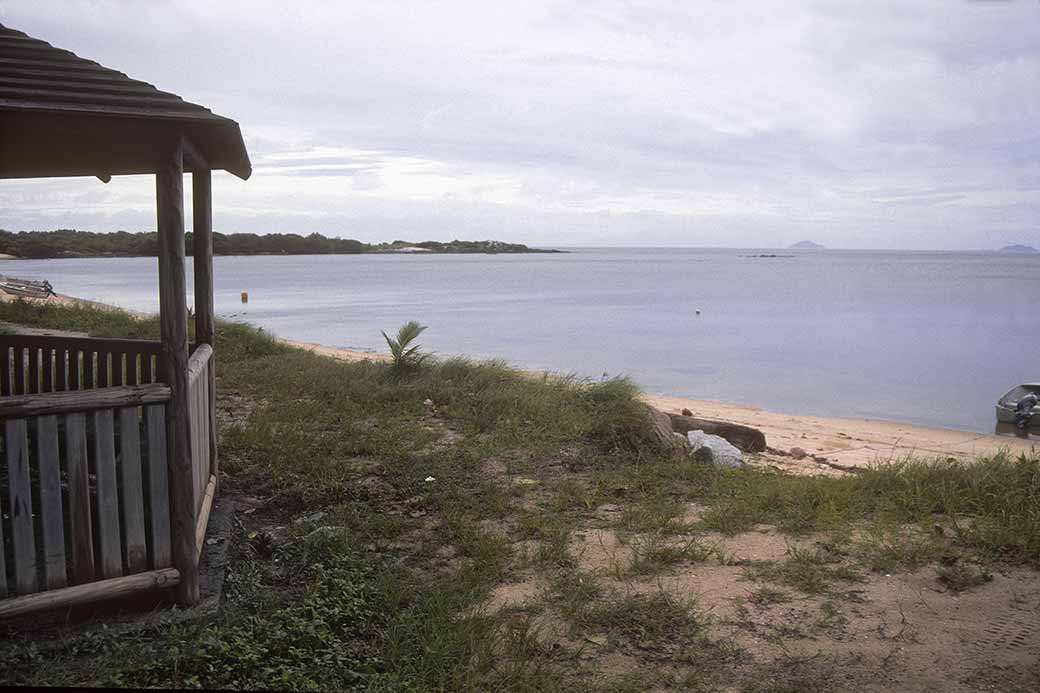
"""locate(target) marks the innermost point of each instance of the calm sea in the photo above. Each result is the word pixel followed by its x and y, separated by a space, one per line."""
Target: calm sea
pixel 924 337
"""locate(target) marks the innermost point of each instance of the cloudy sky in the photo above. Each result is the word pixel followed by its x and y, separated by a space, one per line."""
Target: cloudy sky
pixel 906 124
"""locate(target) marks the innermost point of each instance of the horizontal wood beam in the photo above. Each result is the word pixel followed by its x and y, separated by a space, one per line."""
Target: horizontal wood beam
pixel 43 341
pixel 79 595
pixel 21 406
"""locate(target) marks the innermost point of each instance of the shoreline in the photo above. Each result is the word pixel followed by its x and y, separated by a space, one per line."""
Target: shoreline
pixel 831 444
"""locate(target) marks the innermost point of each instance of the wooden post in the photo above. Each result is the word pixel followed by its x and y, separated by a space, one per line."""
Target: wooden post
pixel 205 322
pixel 173 318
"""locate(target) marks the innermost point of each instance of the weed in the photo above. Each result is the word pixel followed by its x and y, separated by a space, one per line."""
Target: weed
pixel 652 554
pixel 404 356
pixel 961 576
pixel 764 595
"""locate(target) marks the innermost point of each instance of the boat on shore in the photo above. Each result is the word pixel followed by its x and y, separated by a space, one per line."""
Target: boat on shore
pixel 28 288
pixel 1007 405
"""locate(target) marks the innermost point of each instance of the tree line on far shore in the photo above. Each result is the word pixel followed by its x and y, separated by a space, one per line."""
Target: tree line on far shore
pixel 65 243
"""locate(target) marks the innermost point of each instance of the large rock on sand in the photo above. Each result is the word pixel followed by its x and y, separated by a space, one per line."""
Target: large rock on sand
pixel 663 430
pixel 744 437
pixel 705 447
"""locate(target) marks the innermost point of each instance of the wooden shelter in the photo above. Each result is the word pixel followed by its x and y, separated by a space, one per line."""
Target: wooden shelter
pixel 109 462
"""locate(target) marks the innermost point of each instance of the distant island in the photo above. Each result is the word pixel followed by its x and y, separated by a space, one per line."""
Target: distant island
pixel 1019 249
pixel 68 243
pixel 806 245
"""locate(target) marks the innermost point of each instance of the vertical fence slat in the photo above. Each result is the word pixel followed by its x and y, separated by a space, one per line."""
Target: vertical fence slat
pixel 158 487
pixel 51 524
pixel 82 533
pixel 109 542
pixel 204 415
pixel 200 456
pixel 133 499
pixel 132 377
pixel 48 369
pixel 20 506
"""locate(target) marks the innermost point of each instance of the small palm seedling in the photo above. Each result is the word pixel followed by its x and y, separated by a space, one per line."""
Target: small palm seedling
pixel 405 356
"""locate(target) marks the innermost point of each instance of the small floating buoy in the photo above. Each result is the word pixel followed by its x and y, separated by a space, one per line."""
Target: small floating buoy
pixel 245 297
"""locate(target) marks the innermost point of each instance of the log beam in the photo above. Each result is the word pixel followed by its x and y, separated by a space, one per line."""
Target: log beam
pixel 173 318
pixel 205 320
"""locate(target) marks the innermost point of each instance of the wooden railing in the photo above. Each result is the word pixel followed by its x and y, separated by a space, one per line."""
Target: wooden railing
pixel 200 424
pixel 32 364
pixel 85 473
pixel 96 461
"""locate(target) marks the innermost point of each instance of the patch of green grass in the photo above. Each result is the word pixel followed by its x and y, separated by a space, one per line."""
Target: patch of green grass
pixel 811 570
pixel 990 502
pixel 653 554
pixel 885 549
pixel 653 513
pixel 648 621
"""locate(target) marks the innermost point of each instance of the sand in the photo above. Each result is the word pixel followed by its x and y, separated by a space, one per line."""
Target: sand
pixel 831 444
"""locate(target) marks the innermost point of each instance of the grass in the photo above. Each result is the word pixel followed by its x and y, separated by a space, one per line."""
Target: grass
pixel 390 599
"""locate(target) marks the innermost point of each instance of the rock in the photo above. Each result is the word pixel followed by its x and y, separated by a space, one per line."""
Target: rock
pixel 662 426
pixel 744 437
pixel 687 412
pixel 314 517
pixel 798 453
pixel 705 447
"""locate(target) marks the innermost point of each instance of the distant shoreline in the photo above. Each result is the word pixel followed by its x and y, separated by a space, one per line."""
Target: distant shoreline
pixel 69 244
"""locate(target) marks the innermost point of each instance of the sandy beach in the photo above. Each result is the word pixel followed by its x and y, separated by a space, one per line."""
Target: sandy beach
pixel 832 445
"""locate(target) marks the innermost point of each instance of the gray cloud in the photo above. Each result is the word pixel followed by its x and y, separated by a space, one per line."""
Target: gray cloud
pixel 889 124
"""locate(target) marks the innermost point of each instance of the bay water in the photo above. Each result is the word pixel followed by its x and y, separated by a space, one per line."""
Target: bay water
pixel 930 338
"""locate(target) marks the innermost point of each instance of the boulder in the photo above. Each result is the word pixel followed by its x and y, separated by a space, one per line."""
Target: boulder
pixel 705 447
pixel 662 426
pixel 798 453
pixel 663 432
pixel 744 437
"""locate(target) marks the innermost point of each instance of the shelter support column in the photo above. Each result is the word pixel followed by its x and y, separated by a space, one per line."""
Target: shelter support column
pixel 205 322
pixel 173 318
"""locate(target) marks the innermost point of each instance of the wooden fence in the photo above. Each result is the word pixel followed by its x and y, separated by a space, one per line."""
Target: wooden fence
pixel 200 422
pixel 37 363
pixel 84 472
